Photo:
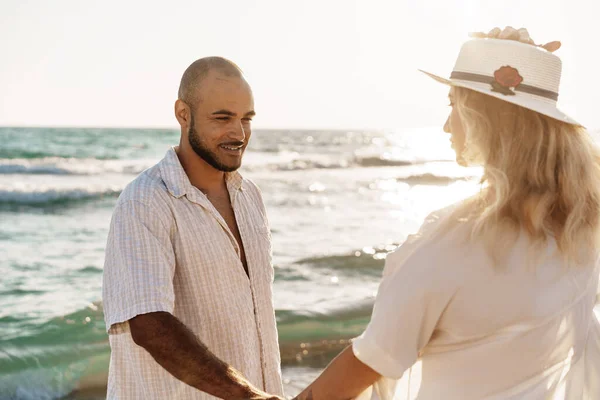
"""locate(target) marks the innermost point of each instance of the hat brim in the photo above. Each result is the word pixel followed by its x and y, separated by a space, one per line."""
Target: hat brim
pixel 520 99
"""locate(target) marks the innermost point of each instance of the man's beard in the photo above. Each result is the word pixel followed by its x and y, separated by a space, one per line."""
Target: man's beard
pixel 204 152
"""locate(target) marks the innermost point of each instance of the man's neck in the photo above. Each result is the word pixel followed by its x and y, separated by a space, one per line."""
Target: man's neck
pixel 201 174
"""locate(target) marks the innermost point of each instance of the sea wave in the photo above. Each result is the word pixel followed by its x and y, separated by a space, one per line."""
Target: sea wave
pixel 253 162
pixel 12 153
pixel 312 338
pixel 292 161
pixel 92 166
pixel 45 342
pixel 43 192
pixel 72 166
pixel 368 260
pixel 378 161
pixel 429 178
pixel 424 172
pixel 53 196
pixel 52 359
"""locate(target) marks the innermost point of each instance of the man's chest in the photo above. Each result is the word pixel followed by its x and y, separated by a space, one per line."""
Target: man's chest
pixel 222 205
pixel 213 240
pixel 210 278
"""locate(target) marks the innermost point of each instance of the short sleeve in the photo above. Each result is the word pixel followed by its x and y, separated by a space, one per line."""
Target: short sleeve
pixel 139 265
pixel 411 299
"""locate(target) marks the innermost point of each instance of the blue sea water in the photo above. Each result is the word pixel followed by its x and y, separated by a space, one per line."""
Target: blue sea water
pixel 338 202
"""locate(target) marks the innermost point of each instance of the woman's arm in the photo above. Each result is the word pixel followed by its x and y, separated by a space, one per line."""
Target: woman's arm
pixel 344 378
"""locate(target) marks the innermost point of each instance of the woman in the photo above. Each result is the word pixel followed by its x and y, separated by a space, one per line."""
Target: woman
pixel 494 297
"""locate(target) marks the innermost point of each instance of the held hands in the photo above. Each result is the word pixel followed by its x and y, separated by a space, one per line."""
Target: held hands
pixel 305 396
pixel 519 35
pixel 266 396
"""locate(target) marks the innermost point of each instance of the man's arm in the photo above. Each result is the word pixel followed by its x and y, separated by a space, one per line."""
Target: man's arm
pixel 344 378
pixel 180 352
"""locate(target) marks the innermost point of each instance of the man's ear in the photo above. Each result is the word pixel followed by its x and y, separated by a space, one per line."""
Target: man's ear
pixel 183 114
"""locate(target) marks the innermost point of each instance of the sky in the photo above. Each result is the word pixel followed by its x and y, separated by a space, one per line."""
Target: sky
pixel 313 64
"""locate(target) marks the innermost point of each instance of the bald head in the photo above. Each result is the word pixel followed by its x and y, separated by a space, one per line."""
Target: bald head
pixel 198 70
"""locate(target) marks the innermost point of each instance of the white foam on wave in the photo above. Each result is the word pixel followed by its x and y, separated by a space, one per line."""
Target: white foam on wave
pixel 52 196
pixel 72 166
pixel 41 189
pixel 283 160
pixel 292 161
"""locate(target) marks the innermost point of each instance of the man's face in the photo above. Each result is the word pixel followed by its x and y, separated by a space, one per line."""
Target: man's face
pixel 220 129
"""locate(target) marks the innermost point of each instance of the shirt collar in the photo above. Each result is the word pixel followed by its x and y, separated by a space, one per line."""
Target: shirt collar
pixel 177 181
pixel 234 180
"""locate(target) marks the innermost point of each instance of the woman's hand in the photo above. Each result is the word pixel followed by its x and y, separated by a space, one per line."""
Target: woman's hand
pixel 519 35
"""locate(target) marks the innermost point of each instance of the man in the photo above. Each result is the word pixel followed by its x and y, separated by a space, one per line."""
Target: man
pixel 187 278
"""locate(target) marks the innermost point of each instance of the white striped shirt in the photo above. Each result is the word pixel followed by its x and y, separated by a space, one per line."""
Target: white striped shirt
pixel 170 250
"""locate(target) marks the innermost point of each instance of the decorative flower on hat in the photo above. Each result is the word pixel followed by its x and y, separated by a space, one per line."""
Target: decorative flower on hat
pixel 519 35
pixel 506 78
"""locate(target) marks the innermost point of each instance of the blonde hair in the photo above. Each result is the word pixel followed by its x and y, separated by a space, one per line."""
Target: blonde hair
pixel 542 176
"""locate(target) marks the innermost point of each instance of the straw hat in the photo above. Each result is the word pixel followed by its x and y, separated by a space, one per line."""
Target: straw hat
pixel 507 65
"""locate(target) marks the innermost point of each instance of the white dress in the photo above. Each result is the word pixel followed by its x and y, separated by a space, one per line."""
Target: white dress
pixel 447 325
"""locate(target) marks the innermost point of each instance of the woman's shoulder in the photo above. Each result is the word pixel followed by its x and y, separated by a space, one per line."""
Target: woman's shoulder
pixel 437 224
pixel 438 241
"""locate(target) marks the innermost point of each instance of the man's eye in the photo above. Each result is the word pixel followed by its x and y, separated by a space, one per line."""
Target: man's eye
pixel 247 119
pixel 223 118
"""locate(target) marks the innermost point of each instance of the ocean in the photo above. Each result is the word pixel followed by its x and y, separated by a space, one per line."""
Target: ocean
pixel 338 202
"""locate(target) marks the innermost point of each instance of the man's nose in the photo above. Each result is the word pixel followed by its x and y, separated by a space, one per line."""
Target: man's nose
pixel 239 133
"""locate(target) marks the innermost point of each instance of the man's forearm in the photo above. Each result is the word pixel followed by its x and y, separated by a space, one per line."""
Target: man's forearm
pixel 180 352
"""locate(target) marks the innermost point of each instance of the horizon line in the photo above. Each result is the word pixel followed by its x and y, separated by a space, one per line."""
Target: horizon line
pixel 175 128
